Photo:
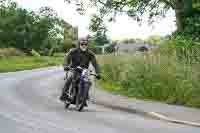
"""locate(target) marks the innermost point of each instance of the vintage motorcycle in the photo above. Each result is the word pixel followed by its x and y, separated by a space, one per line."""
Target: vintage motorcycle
pixel 78 91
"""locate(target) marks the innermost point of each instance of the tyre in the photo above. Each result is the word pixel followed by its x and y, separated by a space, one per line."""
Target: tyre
pixel 81 97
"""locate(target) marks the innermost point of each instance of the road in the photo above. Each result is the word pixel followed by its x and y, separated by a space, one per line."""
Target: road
pixel 29 104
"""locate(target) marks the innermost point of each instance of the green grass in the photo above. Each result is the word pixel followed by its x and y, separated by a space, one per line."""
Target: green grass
pixel 17 63
pixel 157 75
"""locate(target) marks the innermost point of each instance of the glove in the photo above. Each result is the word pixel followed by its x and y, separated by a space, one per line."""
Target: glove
pixel 66 68
pixel 98 76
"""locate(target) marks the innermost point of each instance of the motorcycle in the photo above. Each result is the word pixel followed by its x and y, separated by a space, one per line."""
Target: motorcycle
pixel 78 91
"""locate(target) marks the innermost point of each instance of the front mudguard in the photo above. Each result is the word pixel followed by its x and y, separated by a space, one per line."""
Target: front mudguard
pixel 84 87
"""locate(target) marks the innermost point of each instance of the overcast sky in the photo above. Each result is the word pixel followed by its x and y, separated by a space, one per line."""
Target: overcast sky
pixel 124 27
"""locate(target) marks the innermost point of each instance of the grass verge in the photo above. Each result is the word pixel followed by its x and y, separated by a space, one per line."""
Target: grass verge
pixel 17 63
pixel 156 75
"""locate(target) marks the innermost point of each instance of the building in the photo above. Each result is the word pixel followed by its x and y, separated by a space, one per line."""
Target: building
pixel 133 47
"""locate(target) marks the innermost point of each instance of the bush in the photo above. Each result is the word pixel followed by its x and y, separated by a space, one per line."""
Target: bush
pixel 35 53
pixel 7 52
pixel 190 33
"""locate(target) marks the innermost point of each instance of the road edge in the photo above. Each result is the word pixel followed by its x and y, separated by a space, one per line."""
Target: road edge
pixel 153 115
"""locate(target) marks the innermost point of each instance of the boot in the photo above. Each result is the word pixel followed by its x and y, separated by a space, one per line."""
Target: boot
pixel 63 97
pixel 85 104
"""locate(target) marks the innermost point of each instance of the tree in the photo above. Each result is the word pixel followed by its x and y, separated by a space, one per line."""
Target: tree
pixel 70 36
pixel 99 28
pixel 26 30
pixel 137 8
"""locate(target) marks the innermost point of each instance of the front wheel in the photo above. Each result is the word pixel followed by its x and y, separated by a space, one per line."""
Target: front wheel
pixel 81 97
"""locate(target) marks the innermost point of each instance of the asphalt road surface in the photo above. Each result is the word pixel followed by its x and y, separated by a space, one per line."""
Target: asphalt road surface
pixel 29 104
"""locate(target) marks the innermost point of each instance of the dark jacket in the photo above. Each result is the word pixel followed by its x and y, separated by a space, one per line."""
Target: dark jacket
pixel 77 57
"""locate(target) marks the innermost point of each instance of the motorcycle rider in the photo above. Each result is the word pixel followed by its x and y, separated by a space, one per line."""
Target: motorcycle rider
pixel 80 56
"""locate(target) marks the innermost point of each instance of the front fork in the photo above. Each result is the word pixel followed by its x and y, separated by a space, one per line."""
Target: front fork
pixel 84 88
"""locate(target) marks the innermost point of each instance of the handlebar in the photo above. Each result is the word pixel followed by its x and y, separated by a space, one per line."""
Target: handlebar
pixel 79 68
pixel 67 68
pixel 92 74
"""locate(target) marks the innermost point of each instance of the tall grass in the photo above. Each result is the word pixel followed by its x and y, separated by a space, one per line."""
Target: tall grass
pixel 159 74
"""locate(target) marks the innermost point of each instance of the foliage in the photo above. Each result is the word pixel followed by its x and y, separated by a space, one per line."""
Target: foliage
pixel 99 28
pixel 110 49
pixel 35 53
pixel 70 37
pixel 26 30
pixel 187 42
pixel 155 75
pixel 153 39
pixel 153 9
pixel 191 30
pixel 6 52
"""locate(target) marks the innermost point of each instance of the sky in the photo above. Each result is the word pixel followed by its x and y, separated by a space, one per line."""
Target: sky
pixel 118 30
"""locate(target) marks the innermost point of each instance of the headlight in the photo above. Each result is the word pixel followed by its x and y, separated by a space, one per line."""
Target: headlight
pixel 85 74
